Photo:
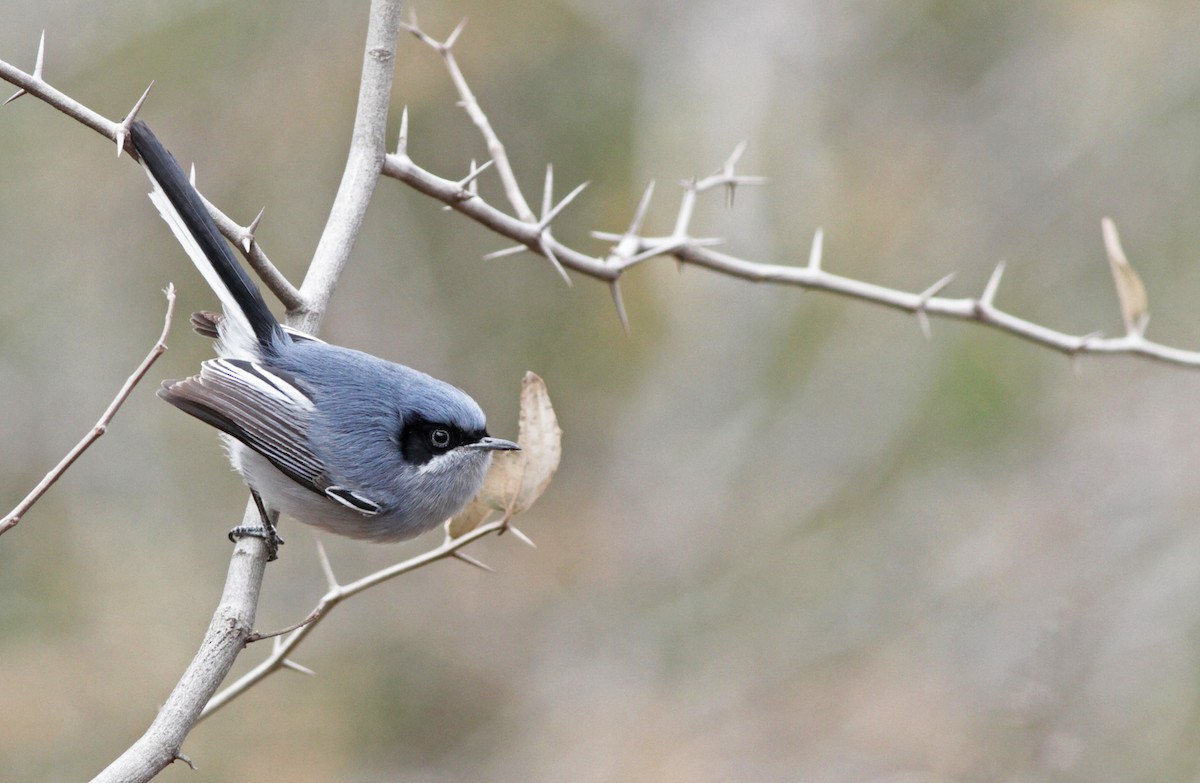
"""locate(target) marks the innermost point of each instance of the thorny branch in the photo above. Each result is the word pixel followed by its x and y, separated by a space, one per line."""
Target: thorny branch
pixel 232 624
pixel 118 132
pixel 532 232
pixel 287 640
pixel 101 426
pixel 632 247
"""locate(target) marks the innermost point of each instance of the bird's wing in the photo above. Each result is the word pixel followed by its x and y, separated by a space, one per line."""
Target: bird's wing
pixel 259 406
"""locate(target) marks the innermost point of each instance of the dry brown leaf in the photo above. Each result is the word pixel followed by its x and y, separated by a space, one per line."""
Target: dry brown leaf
pixel 1130 291
pixel 541 443
pixel 518 478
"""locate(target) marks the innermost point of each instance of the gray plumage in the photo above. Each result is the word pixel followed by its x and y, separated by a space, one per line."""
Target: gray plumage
pixel 333 437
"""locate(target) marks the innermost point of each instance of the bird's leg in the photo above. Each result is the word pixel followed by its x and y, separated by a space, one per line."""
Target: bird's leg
pixel 266 531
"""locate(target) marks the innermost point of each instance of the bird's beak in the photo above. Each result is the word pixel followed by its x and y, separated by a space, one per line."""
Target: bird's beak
pixel 493 444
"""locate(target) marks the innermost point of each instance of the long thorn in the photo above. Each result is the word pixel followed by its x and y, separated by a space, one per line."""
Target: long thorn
pixel 474 175
pixel 127 123
pixel 614 287
pixel 524 539
pixel 288 663
pixel 656 250
pixel 450 39
pixel 41 58
pixel 936 288
pixel 549 217
pixel 818 247
pixel 326 567
pixel 734 157
pixel 508 251
pixel 463 556
pixel 248 236
pixel 926 295
pixel 993 284
pixel 558 267
pixel 629 241
pixel 548 190
pixel 635 225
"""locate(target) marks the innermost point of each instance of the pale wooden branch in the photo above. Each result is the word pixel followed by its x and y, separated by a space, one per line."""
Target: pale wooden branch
pixel 512 190
pixel 226 637
pixel 233 621
pixel 368 145
pixel 34 84
pixel 337 593
pixel 632 247
pixel 243 236
pixel 100 427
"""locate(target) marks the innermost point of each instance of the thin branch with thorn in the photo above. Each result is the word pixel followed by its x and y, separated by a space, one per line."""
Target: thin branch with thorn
pixel 118 132
pixel 632 248
pixel 288 639
pixel 100 427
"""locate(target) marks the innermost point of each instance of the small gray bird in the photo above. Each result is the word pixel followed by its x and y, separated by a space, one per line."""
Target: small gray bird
pixel 336 438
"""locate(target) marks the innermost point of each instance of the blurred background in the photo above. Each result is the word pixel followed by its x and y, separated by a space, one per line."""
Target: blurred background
pixel 790 539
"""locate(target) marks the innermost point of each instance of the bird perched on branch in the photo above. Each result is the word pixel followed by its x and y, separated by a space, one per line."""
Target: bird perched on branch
pixel 334 437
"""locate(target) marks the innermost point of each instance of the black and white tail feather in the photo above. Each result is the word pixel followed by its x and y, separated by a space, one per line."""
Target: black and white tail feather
pixel 250 329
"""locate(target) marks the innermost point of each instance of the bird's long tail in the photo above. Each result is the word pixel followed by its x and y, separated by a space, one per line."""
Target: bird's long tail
pixel 251 328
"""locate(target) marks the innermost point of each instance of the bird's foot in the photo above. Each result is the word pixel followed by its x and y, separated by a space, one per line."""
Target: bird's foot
pixel 266 532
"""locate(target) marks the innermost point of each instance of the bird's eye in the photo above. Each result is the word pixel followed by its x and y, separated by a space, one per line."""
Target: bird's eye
pixel 439 438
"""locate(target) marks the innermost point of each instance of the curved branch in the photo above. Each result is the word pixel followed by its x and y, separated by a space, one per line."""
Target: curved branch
pixel 508 179
pixel 632 248
pixel 33 84
pixel 100 427
pixel 226 636
pixel 368 146
pixel 292 637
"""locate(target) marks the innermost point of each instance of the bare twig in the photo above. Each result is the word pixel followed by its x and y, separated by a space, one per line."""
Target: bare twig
pixel 294 635
pixel 101 426
pixel 698 252
pixel 467 100
pixel 34 84
pixel 632 247
pixel 243 237
pixel 368 146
